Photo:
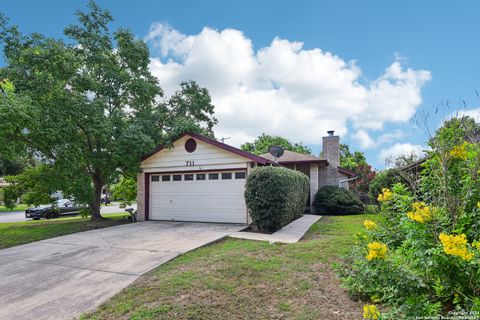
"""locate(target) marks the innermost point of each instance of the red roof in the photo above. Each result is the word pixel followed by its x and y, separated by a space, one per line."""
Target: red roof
pixel 215 143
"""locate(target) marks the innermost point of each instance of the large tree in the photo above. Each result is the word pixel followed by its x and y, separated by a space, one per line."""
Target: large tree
pixel 88 107
pixel 351 160
pixel 265 141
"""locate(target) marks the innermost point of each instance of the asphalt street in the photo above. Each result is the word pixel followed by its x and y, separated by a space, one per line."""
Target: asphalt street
pixel 16 216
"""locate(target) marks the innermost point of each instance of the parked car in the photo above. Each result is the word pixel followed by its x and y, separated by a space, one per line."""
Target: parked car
pixel 54 210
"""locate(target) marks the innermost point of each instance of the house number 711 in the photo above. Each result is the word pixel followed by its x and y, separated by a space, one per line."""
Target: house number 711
pixel 189 163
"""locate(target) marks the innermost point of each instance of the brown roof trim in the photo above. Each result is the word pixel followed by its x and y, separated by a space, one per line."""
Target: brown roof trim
pixel 415 165
pixel 304 162
pixel 215 143
pixel 347 172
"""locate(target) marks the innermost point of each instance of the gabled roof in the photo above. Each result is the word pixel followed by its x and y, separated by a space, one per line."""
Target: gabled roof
pixel 291 157
pixel 215 143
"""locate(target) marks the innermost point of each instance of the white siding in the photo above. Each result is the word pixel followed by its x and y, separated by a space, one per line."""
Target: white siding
pixel 197 200
pixel 205 157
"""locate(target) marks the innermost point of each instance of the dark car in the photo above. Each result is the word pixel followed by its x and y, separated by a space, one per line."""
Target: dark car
pixel 54 210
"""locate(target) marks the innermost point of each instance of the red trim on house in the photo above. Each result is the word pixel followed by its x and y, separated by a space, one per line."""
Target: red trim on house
pixel 198 171
pixel 215 143
pixel 147 196
pixel 347 172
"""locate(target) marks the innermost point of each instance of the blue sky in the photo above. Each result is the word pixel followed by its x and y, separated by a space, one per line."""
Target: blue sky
pixel 354 53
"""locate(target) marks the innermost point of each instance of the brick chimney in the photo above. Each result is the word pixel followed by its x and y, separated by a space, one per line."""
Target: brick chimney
pixel 331 149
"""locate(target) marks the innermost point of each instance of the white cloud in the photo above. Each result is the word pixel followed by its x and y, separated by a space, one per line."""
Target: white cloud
pixel 390 136
pixel 282 88
pixel 362 136
pixel 473 113
pixel 399 149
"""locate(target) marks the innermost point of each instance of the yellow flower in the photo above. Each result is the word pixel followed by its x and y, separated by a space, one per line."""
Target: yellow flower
pixel 421 212
pixel 369 224
pixel 376 250
pixel 478 204
pixel 386 195
pixel 459 152
pixel 370 312
pixel 456 246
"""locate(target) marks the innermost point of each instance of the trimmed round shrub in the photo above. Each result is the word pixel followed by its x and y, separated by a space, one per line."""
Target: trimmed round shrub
pixel 276 196
pixel 332 200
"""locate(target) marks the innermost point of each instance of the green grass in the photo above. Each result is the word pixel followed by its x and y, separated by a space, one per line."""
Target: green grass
pixel 242 279
pixel 16 233
pixel 18 207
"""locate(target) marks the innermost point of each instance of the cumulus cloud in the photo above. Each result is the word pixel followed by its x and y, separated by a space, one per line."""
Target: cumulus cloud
pixel 399 149
pixel 362 136
pixel 283 88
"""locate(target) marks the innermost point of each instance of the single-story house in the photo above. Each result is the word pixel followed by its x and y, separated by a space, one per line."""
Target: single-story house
pixel 201 179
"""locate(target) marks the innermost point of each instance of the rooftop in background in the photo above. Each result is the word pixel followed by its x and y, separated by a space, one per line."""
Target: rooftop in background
pixel 294 157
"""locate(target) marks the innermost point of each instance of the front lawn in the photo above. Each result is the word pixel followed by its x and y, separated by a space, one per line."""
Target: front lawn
pixel 16 233
pixel 18 207
pixel 241 279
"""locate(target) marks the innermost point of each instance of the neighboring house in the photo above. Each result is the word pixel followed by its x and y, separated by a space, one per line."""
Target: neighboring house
pixel 201 179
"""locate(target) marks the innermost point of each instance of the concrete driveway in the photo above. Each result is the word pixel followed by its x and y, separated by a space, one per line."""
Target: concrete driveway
pixel 62 277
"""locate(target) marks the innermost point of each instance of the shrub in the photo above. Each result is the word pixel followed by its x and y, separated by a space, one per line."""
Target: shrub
pixel 276 196
pixel 333 200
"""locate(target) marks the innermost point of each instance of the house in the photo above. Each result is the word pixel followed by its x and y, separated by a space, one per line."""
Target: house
pixel 321 171
pixel 201 179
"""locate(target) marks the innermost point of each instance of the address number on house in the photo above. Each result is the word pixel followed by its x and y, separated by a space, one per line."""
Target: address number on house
pixel 190 163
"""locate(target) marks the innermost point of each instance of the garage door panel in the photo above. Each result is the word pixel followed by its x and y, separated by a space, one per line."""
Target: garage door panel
pixel 199 200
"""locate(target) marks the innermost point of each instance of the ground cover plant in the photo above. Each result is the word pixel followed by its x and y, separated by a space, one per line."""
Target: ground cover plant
pixel 423 260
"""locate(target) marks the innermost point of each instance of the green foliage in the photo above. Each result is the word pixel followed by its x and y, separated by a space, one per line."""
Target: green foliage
pixel 432 266
pixel 89 106
pixel 383 179
pixel 275 196
pixel 34 186
pixel 265 141
pixel 349 160
pixel 125 191
pixel 332 200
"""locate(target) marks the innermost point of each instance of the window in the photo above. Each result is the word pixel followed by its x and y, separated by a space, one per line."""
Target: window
pixel 239 175
pixel 155 178
pixel 226 176
pixel 177 177
pixel 188 177
pixel 166 178
pixel 213 176
pixel 190 145
pixel 200 176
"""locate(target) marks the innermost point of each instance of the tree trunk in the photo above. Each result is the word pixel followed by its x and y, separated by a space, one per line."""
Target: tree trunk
pixel 95 205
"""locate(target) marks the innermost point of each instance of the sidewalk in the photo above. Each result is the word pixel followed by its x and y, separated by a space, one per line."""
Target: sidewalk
pixel 291 233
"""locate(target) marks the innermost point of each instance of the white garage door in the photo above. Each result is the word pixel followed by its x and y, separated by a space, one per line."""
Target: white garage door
pixel 205 197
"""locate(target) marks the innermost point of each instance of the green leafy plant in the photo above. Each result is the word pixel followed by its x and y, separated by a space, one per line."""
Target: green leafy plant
pixel 275 196
pixel 431 265
pixel 331 200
